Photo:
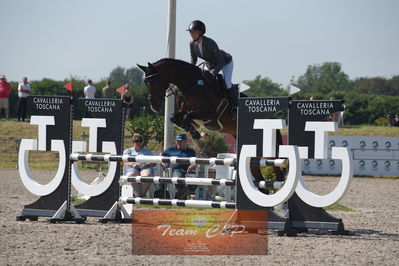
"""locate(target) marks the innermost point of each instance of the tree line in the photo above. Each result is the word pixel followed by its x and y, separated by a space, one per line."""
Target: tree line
pixel 366 99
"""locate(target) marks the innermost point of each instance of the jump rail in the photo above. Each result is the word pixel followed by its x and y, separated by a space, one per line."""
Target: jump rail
pixel 174 160
pixel 182 203
pixel 194 181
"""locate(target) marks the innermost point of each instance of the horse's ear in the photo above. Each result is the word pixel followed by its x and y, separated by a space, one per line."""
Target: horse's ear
pixel 142 68
pixel 150 65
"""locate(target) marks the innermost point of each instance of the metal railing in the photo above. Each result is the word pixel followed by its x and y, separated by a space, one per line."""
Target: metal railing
pixel 13 148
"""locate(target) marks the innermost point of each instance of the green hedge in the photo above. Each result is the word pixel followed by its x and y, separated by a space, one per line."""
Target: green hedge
pixel 360 108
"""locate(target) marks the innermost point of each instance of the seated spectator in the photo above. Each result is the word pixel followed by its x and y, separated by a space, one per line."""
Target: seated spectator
pixel 181 149
pixel 138 168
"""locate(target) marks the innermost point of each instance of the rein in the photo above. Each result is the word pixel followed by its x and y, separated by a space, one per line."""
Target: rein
pixel 168 92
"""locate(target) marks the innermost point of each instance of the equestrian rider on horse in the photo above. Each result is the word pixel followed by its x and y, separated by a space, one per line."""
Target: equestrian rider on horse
pixel 215 58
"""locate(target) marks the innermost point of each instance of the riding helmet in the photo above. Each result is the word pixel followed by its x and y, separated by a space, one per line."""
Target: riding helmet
pixel 197 25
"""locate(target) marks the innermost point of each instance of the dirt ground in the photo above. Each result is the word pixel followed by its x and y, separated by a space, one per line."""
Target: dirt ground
pixel 374 223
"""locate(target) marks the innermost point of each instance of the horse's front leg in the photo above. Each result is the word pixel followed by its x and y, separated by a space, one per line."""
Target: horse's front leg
pixel 188 125
pixel 181 119
pixel 204 116
pixel 178 118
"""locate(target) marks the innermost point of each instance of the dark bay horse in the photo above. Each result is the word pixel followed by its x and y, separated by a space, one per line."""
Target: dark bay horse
pixel 198 99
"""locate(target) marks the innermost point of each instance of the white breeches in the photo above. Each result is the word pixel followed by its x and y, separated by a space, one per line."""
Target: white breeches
pixel 227 71
pixel 228 74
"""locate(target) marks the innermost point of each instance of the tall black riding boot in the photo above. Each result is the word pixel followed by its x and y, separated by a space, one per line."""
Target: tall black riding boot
pixel 233 99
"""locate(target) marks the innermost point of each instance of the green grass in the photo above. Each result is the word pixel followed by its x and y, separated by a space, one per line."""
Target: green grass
pixel 367 131
pixel 37 159
pixel 362 130
pixel 339 207
pixel 76 201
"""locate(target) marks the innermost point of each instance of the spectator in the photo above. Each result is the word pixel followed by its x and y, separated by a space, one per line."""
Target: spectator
pixel 89 91
pixel 108 91
pixel 396 121
pixel 23 92
pixel 181 149
pixel 335 117
pixel 127 98
pixel 138 168
pixel 5 89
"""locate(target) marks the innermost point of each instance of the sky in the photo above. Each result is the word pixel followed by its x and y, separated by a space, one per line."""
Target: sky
pixel 275 39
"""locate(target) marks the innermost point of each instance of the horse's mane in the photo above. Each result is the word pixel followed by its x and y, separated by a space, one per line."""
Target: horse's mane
pixel 183 64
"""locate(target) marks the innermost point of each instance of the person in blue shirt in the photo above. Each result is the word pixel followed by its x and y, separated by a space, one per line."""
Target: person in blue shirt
pixel 181 149
pixel 138 168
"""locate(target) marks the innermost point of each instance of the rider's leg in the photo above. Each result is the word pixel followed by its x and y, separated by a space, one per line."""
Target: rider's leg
pixel 228 74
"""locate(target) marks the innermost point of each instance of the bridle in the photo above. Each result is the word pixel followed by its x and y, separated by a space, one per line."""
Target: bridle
pixel 168 92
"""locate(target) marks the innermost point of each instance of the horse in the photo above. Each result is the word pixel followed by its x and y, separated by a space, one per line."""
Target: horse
pixel 199 99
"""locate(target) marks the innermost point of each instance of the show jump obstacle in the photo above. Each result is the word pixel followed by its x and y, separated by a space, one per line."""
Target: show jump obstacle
pixel 256 143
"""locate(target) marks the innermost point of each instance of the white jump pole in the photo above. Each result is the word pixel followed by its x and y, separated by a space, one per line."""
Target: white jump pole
pixel 170 53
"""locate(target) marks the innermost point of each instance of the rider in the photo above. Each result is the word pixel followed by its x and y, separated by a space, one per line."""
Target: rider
pixel 215 58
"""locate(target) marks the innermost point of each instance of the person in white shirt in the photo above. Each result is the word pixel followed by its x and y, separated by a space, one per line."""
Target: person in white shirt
pixel 24 91
pixel 90 90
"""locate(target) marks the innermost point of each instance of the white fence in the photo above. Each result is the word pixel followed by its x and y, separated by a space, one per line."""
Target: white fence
pixel 371 156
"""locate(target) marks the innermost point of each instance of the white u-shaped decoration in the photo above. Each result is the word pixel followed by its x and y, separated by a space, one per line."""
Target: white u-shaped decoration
pixel 283 194
pixel 96 189
pixel 26 175
pixel 340 190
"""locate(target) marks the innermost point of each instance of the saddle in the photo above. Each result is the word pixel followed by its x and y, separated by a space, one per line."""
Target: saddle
pixel 230 95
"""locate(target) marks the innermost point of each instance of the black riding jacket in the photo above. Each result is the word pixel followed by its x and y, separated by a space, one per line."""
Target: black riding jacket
pixel 214 57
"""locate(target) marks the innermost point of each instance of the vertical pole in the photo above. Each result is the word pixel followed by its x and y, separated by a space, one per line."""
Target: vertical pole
pixel 170 53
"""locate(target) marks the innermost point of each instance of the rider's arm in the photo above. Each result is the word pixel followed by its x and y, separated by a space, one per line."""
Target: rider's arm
pixel 194 57
pixel 217 54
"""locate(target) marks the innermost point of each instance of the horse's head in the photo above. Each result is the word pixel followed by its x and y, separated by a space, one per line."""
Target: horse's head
pixel 156 86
